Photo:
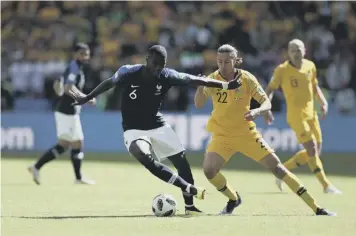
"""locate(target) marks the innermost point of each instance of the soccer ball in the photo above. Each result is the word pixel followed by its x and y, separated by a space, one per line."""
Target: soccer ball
pixel 164 205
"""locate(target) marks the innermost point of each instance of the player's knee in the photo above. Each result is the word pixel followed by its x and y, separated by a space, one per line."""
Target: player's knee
pixel 279 171
pixel 319 148
pixel 180 161
pixel 77 144
pixel 59 149
pixel 144 158
pixel 140 146
pixel 311 148
pixel 135 149
pixel 210 171
pixel 77 154
pixel 311 151
pixel 63 144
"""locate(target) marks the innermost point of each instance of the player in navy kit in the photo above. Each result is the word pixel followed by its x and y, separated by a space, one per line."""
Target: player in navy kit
pixel 143 90
pixel 69 128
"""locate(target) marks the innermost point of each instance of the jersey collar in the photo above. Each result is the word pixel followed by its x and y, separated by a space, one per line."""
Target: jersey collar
pixel 236 74
pixel 292 65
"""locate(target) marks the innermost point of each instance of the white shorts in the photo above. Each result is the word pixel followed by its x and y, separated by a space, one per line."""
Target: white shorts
pixel 69 127
pixel 164 141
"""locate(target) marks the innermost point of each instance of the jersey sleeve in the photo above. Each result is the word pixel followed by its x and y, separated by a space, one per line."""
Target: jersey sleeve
pixel 275 82
pixel 71 73
pixel 175 78
pixel 123 73
pixel 255 89
pixel 314 74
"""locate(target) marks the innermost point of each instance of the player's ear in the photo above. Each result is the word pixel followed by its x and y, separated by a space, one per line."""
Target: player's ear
pixel 234 62
pixel 238 61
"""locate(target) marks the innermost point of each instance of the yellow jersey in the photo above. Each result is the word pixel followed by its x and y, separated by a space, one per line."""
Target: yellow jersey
pixel 230 106
pixel 298 88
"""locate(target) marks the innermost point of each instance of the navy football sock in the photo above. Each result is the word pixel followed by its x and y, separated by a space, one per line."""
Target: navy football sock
pixel 49 155
pixel 181 163
pixel 166 174
pixel 140 149
pixel 77 157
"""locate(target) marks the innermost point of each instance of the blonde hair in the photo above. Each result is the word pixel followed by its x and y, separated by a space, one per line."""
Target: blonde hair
pixel 297 42
pixel 227 48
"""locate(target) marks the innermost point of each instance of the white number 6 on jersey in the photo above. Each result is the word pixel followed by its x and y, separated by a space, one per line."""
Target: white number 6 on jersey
pixel 133 94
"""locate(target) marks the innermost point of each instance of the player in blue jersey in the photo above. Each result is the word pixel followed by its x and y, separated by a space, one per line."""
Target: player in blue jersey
pixel 147 136
pixel 69 128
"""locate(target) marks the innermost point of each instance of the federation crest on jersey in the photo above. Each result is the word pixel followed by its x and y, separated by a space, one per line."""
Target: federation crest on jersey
pixel 308 73
pixel 159 89
pixel 238 94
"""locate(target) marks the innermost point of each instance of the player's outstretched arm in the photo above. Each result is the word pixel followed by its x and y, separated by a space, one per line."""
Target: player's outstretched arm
pixel 177 78
pixel 107 84
pixel 212 83
pixel 66 84
pixel 71 89
pixel 75 93
pixel 101 88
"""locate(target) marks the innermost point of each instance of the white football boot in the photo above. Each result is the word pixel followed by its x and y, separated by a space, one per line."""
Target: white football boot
pixel 331 189
pixel 84 181
pixel 279 184
pixel 35 174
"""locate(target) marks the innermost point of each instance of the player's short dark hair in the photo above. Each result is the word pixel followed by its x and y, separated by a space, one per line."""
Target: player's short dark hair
pixel 80 46
pixel 158 50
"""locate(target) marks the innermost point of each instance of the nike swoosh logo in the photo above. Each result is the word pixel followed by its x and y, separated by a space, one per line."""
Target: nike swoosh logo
pixel 134 86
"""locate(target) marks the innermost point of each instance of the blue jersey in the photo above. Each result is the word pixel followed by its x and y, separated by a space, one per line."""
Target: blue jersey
pixel 142 96
pixel 72 75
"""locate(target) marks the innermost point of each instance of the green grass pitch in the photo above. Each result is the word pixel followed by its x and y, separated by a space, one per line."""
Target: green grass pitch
pixel 120 203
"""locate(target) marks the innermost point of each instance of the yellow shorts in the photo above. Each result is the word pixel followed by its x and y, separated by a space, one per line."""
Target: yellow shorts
pixel 251 145
pixel 307 130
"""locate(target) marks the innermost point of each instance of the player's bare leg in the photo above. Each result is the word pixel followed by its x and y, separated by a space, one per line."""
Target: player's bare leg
pixel 49 155
pixel 331 188
pixel 310 155
pixel 299 159
pixel 212 165
pixel 316 166
pixel 141 150
pixel 181 163
pixel 77 157
pixel 273 163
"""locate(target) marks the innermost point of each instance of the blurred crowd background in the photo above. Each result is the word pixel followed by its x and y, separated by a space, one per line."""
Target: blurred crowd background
pixel 37 38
